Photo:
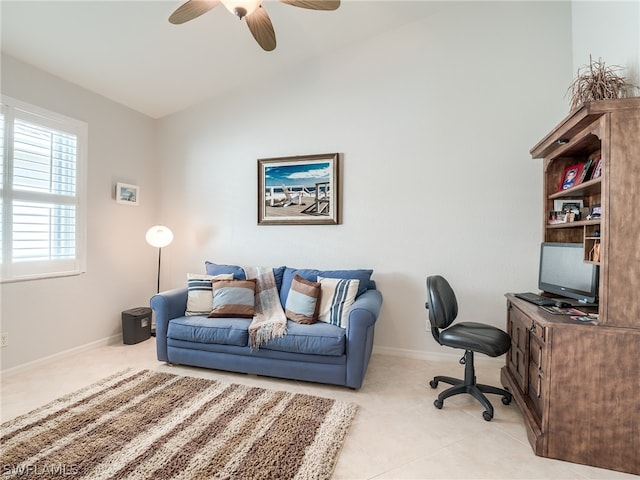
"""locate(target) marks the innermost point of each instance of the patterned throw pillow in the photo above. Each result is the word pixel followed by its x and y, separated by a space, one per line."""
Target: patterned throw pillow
pixel 338 294
pixel 303 301
pixel 199 294
pixel 233 298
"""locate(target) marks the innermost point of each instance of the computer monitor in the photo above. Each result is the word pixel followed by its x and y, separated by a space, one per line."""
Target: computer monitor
pixel 564 272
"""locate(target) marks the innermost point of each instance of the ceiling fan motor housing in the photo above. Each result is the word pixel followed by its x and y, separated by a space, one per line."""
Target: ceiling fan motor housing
pixel 240 12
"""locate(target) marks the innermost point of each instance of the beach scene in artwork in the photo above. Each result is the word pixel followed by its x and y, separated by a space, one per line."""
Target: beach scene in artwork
pixel 298 189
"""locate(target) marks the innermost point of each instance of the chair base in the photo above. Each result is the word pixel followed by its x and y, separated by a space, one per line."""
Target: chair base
pixel 469 385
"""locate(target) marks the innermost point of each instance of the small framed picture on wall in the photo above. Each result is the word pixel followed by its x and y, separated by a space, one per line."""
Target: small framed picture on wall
pixel 127 193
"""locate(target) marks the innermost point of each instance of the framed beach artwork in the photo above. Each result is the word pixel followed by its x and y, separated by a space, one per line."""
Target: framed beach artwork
pixel 301 190
pixel 127 194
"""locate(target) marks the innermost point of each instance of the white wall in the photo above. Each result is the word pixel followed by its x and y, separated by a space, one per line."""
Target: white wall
pixel 434 119
pixel 608 30
pixel 45 317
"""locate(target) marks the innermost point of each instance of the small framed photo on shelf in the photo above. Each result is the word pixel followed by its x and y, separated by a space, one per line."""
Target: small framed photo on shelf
pixel 127 194
pixel 570 205
pixel 571 176
pixel 596 211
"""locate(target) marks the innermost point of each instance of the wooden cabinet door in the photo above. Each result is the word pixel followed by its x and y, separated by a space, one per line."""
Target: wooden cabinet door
pixel 517 357
pixel 536 381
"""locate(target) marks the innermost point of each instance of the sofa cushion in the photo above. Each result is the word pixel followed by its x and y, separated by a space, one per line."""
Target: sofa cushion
pixel 233 298
pixel 217 269
pixel 199 295
pixel 316 339
pixel 364 276
pixel 338 294
pixel 239 273
pixel 225 331
pixel 303 301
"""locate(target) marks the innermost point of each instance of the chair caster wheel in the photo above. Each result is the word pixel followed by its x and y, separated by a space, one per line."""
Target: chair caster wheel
pixel 506 400
pixel 487 416
pixel 438 403
pixel 433 383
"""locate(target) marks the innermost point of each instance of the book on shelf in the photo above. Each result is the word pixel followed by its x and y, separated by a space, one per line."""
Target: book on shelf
pixel 587 170
pixel 597 169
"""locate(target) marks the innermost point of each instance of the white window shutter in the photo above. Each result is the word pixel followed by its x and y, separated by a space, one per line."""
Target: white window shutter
pixel 43 189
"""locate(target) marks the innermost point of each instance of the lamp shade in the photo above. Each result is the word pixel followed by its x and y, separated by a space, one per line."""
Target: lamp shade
pixel 159 236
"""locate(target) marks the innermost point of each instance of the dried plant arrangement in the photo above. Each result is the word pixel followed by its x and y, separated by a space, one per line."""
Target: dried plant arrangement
pixel 597 81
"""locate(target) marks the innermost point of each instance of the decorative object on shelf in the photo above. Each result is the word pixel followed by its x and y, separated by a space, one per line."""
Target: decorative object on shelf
pixel 597 81
pixel 594 254
pixel 159 236
pixel 557 217
pixel 127 193
pixel 585 213
pixel 596 211
pixel 302 190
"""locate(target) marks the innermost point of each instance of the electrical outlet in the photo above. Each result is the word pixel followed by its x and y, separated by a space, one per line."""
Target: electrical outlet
pixel 4 340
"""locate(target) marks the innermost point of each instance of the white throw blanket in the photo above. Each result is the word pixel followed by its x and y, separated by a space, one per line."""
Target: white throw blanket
pixel 269 320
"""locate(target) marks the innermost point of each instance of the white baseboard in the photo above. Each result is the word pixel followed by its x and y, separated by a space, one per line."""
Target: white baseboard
pixel 114 339
pixel 448 355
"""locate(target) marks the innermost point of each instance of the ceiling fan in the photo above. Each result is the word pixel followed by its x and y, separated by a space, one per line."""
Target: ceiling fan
pixel 252 11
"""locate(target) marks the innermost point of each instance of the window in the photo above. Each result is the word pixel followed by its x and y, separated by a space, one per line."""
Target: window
pixel 42 214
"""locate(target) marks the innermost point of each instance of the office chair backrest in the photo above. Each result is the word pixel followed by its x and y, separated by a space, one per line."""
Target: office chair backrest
pixel 442 304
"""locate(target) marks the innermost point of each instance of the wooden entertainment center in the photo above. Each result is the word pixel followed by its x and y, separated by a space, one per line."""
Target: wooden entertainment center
pixel 577 383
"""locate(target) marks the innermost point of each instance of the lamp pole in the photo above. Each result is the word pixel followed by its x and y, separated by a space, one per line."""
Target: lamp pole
pixel 159 236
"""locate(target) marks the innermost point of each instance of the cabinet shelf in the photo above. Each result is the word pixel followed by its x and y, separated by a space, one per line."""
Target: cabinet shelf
pixel 584 188
pixel 579 223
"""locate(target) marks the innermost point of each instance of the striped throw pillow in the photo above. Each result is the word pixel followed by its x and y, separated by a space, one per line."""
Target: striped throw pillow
pixel 199 294
pixel 338 294
pixel 303 301
pixel 233 298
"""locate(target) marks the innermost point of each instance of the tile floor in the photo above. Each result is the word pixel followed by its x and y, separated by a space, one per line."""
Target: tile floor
pixel 397 433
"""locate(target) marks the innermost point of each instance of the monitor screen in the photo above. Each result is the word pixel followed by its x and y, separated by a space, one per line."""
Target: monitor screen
pixel 564 272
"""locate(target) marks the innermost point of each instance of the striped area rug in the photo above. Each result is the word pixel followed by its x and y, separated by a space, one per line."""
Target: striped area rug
pixel 153 425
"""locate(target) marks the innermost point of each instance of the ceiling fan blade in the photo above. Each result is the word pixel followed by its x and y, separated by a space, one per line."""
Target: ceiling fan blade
pixel 314 4
pixel 192 9
pixel 261 28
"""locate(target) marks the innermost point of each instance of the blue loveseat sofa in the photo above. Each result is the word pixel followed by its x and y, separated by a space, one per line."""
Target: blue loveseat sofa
pixel 319 352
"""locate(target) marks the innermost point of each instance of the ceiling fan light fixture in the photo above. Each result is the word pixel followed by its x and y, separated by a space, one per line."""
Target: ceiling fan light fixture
pixel 241 8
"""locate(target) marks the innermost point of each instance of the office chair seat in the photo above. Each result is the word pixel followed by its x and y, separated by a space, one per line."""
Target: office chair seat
pixel 478 337
pixel 469 336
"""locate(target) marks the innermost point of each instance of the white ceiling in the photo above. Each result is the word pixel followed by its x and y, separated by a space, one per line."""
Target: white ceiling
pixel 128 52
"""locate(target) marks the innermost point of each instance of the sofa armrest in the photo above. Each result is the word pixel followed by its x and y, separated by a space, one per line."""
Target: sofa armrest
pixel 365 310
pixel 167 305
pixel 362 318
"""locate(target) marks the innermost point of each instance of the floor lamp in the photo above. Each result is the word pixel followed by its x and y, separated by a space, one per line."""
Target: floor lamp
pixel 158 236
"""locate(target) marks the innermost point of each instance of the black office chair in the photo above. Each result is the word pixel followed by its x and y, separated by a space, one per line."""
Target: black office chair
pixel 470 336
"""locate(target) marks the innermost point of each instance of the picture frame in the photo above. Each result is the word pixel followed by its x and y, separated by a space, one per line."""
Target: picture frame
pixel 571 176
pixel 596 211
pixel 127 194
pixel 571 205
pixel 300 190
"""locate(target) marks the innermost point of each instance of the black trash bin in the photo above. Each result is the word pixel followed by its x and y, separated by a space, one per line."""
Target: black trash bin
pixel 136 325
